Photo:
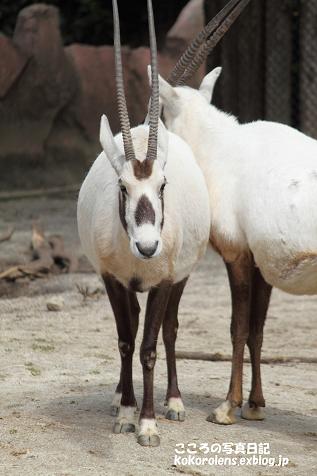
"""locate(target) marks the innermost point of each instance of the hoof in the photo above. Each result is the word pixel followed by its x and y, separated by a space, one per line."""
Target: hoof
pixel 123 428
pixel 149 440
pixel 175 416
pixel 148 434
pixel 125 420
pixel 252 413
pixel 175 409
pixel 223 415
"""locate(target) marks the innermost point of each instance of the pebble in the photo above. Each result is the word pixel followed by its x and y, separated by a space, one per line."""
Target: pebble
pixel 55 304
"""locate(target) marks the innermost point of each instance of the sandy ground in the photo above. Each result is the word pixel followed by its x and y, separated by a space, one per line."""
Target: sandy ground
pixel 58 371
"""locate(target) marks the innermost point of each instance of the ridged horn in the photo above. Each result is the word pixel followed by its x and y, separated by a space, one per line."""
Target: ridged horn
pixel 121 99
pixel 154 103
pixel 205 42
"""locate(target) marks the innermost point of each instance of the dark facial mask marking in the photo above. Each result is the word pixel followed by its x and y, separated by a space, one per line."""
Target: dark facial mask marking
pixel 122 204
pixel 144 212
pixel 162 203
pixel 162 117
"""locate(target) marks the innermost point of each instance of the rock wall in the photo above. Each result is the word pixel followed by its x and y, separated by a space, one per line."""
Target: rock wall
pixel 52 97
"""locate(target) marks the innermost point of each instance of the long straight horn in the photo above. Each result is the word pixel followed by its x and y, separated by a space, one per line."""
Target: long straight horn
pixel 205 41
pixel 121 100
pixel 209 45
pixel 194 46
pixel 154 105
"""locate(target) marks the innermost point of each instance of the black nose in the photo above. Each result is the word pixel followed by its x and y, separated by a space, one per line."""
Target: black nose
pixel 147 251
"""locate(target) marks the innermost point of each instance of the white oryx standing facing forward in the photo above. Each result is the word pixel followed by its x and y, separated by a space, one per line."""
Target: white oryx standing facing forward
pixel 142 237
pixel 262 182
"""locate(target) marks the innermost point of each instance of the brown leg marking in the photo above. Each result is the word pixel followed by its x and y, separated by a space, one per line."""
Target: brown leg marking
pixel 170 327
pixel 155 310
pixel 119 386
pixel 240 279
pixel 126 310
pixel 261 293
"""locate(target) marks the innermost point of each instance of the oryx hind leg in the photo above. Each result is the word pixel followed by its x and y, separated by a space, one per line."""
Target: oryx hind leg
pixel 240 275
pixel 261 293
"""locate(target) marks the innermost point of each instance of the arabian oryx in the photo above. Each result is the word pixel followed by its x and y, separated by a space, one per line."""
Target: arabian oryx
pixel 262 183
pixel 144 222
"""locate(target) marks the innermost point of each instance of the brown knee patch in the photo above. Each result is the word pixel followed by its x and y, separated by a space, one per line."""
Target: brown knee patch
pixel 149 359
pixel 124 348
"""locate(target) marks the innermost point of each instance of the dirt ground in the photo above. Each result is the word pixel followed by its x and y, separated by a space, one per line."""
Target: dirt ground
pixel 58 371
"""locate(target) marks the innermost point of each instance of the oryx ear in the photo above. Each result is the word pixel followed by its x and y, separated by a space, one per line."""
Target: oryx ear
pixel 208 83
pixel 162 144
pixel 168 94
pixel 109 145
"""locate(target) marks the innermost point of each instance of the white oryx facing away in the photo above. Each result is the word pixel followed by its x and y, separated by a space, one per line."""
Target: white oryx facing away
pixel 142 237
pixel 262 182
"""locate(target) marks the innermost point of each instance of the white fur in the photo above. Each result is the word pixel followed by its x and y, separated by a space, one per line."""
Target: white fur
pixel 108 143
pixel 148 426
pixel 208 83
pixel 116 401
pixel 175 404
pixel 186 214
pixel 125 421
pixel 126 415
pixel 262 182
pixel 224 414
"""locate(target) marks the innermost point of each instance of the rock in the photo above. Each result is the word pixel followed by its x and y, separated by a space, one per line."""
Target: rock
pixel 96 93
pixel 44 88
pixel 12 63
pixel 55 304
pixel 189 22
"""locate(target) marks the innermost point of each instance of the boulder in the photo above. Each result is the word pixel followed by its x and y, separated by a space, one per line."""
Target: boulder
pixel 189 22
pixel 45 87
pixel 12 63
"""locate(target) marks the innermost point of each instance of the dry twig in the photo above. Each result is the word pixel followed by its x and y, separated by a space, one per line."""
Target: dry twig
pixel 63 258
pixel 218 357
pixel 45 253
pixel 87 294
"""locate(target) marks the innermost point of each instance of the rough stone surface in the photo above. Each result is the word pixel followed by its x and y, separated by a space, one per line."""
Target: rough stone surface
pixel 44 88
pixel 189 22
pixel 12 63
